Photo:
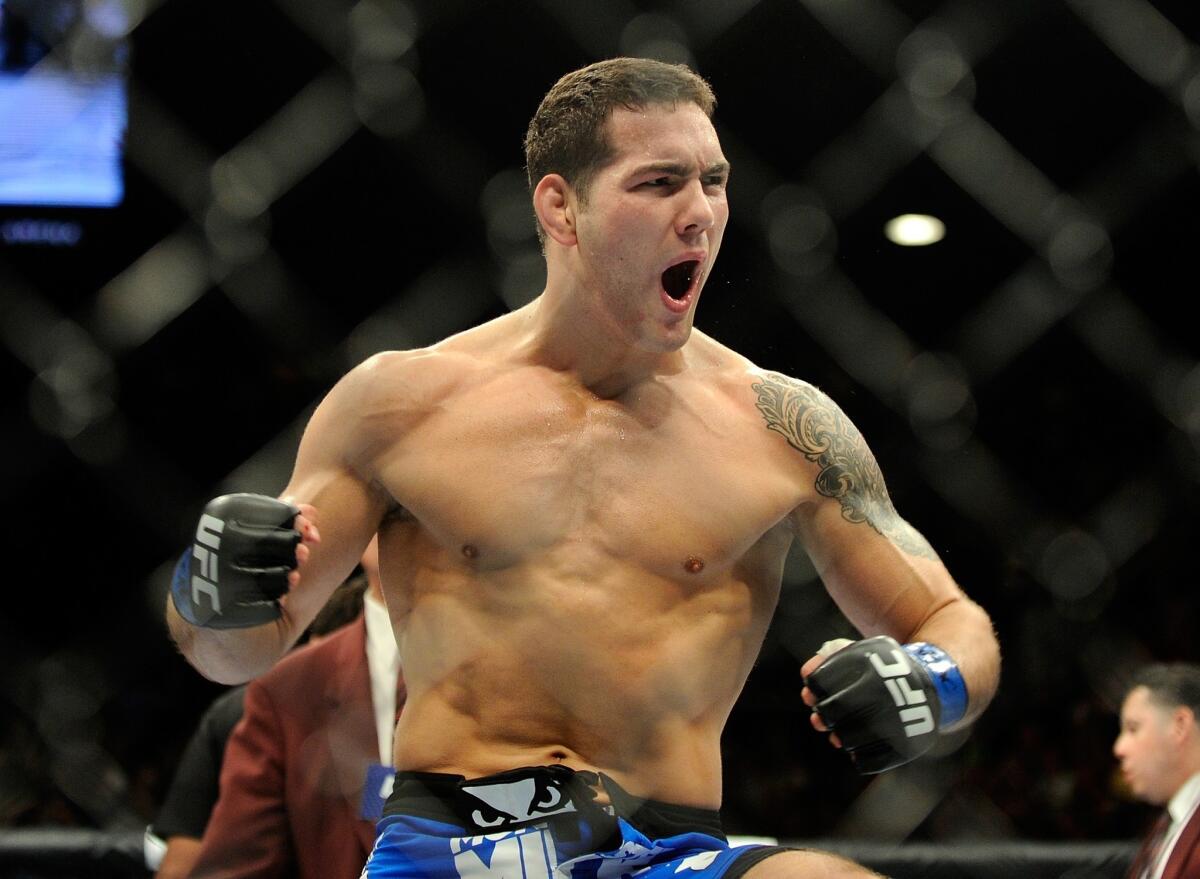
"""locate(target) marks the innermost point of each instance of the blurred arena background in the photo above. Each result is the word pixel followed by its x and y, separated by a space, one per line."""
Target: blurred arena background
pixel 307 182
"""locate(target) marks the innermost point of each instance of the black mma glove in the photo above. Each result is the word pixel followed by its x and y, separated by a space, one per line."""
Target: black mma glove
pixel 237 568
pixel 886 702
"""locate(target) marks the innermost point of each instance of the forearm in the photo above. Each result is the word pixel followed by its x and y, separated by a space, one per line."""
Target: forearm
pixel 946 680
pixel 229 656
pixel 963 629
pixel 179 858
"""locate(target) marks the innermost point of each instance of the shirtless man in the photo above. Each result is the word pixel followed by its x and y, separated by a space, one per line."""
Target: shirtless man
pixel 583 511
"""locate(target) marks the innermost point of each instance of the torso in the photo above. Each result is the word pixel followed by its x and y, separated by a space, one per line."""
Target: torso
pixel 575 579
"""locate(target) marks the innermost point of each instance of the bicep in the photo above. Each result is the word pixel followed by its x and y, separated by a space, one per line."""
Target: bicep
pixel 884 585
pixel 879 569
pixel 333 475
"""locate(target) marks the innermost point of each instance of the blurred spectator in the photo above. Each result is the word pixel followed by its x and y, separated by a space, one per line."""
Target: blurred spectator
pixel 173 841
pixel 1159 751
pixel 307 768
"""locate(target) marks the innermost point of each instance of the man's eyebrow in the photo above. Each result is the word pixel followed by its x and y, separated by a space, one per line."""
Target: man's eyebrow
pixel 679 169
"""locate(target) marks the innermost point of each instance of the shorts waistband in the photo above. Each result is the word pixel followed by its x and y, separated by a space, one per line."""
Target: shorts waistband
pixel 538 793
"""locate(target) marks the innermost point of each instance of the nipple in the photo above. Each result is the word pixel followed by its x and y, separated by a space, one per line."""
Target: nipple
pixel 469 551
pixel 693 565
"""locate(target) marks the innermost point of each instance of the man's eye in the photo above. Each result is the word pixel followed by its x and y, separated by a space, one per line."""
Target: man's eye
pixel 659 181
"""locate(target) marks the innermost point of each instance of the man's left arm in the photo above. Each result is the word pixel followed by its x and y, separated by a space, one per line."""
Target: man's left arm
pixel 894 589
pixel 887 580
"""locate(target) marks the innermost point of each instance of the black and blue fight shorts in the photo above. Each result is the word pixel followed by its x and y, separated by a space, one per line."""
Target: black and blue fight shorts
pixel 545 822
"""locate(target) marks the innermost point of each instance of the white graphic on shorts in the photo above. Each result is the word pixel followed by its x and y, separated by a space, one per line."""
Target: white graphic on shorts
pixel 514 855
pixel 630 859
pixel 697 862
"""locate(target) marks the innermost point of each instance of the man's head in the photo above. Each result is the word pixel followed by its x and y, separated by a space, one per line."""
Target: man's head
pixel 568 134
pixel 1159 741
pixel 629 181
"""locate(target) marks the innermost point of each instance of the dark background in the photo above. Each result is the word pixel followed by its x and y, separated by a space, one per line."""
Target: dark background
pixel 311 181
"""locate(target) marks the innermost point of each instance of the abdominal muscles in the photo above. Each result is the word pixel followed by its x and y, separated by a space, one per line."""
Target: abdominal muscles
pixel 600 666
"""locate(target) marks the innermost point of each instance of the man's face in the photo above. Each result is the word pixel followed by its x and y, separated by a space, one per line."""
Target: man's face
pixel 1147 748
pixel 652 225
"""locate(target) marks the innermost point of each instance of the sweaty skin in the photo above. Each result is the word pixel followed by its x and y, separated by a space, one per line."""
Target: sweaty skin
pixel 584 506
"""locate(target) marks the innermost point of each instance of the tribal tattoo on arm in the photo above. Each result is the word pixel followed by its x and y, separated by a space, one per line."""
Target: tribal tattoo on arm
pixel 816 427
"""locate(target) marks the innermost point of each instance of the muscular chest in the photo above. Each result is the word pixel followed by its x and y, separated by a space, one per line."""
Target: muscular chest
pixel 511 470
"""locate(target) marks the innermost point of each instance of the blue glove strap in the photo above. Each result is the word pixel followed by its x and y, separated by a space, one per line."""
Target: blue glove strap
pixel 947 680
pixel 181 588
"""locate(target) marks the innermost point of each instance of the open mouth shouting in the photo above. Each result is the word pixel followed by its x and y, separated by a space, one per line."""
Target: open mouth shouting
pixel 680 282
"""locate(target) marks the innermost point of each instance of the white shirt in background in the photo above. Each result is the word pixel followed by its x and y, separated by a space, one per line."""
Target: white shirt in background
pixel 383 664
pixel 1180 808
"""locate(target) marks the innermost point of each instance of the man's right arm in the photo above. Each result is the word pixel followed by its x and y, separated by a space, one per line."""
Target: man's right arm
pixel 179 858
pixel 224 609
pixel 259 569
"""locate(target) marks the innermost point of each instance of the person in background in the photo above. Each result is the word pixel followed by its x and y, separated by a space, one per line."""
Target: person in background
pixel 172 842
pixel 306 769
pixel 1159 751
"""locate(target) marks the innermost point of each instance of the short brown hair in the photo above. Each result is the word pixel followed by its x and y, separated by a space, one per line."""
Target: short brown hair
pixel 1171 685
pixel 566 135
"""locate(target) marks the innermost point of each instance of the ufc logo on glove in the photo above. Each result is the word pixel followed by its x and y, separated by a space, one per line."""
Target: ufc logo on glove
pixel 237 568
pixel 917 719
pixel 204 551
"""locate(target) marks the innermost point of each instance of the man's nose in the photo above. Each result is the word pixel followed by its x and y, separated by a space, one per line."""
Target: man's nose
pixel 697 214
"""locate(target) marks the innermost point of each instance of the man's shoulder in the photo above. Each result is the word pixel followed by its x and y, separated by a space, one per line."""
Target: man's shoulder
pixel 771 382
pixel 722 367
pixel 404 383
pixel 789 404
pixel 715 362
pixel 417 377
pixel 418 367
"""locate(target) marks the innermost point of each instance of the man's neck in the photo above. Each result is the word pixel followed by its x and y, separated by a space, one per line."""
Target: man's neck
pixel 568 332
pixel 1184 799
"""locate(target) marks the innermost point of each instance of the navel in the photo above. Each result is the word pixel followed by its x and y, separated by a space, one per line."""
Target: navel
pixel 469 551
pixel 693 565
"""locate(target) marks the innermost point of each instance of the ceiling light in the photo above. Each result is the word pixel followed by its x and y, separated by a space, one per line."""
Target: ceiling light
pixel 915 230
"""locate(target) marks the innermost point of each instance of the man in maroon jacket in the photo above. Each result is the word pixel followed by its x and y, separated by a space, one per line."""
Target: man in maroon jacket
pixel 1159 750
pixel 307 768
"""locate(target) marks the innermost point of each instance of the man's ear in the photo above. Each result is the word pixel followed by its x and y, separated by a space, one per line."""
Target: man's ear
pixel 1183 723
pixel 554 204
